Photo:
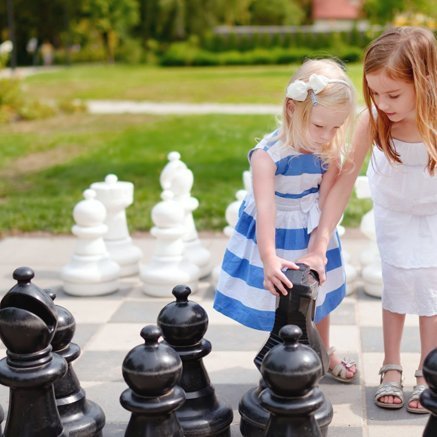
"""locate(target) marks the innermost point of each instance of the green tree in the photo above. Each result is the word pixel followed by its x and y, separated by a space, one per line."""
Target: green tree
pixel 112 19
pixel 384 11
pixel 276 12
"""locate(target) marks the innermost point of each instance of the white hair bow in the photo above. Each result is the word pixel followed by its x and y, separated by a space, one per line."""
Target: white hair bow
pixel 298 90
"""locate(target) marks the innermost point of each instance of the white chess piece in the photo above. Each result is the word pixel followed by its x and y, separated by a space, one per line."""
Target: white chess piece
pixel 178 178
pixel 116 196
pixel 350 271
pixel 90 272
pixel 370 258
pixel 168 267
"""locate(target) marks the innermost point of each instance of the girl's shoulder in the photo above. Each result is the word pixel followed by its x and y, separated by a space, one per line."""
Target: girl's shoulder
pixel 273 145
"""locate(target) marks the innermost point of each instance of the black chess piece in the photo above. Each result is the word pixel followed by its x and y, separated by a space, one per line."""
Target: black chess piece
pixel 28 321
pixel 2 417
pixel 152 370
pixel 428 398
pixel 291 372
pixel 296 308
pixel 79 416
pixel 183 324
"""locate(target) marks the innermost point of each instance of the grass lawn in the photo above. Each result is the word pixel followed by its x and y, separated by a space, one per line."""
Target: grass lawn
pixel 46 165
pixel 254 84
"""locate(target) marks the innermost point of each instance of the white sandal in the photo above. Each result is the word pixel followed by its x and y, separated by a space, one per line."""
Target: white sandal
pixel 389 388
pixel 339 371
pixel 415 396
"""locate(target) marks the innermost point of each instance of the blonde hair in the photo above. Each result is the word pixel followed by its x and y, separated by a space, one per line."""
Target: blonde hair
pixel 408 54
pixel 294 124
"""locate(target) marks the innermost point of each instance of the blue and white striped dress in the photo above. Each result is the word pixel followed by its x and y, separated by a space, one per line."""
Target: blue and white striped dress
pixel 240 292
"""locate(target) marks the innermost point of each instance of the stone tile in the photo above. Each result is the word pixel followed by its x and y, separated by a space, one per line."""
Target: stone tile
pixel 138 311
pixel 344 314
pixel 116 337
pixel 372 341
pixel 382 416
pixel 100 366
pixel 90 310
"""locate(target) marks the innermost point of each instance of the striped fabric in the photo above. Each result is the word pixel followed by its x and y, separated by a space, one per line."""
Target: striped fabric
pixel 240 293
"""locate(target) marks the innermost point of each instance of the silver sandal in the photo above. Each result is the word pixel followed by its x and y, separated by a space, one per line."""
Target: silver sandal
pixel 339 371
pixel 389 388
pixel 415 396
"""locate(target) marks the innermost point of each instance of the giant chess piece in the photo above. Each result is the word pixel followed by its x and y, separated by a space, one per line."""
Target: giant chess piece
pixel 79 416
pixel 168 265
pixel 291 372
pixel 27 325
pixel 350 270
pixel 116 196
pixel 177 178
pixel 152 370
pixel 296 308
pixel 90 271
pixel 183 324
pixel 428 398
pixel 370 259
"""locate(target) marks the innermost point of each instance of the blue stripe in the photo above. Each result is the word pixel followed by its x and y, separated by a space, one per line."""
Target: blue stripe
pixel 296 165
pixel 241 268
pixel 332 301
pixel 262 320
pixel 299 195
pixel 296 239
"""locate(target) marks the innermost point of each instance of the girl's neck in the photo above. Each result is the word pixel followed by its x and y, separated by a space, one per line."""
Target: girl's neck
pixel 406 130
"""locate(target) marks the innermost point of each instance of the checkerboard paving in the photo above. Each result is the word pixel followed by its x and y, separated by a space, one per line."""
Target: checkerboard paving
pixel 108 327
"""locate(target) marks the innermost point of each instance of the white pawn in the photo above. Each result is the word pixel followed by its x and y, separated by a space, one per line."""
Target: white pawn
pixel 90 272
pixel 350 271
pixel 177 178
pixel 370 258
pixel 231 213
pixel 116 196
pixel 168 267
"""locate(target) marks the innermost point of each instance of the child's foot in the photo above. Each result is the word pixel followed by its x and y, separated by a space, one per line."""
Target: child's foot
pixel 343 370
pixel 389 393
pixel 414 405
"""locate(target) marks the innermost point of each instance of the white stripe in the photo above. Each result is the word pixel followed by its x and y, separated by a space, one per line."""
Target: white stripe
pixel 299 183
pixel 240 246
pixel 334 279
pixel 263 300
pixel 251 297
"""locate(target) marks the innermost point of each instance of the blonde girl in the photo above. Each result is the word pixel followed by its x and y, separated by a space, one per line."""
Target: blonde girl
pixel 399 85
pixel 293 169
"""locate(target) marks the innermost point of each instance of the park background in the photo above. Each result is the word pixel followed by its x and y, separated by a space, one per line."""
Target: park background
pixel 56 56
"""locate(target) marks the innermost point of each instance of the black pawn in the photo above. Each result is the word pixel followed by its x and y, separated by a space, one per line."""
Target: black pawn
pixel 183 324
pixel 429 397
pixel 152 370
pixel 79 416
pixel 291 372
pixel 27 325
pixel 297 308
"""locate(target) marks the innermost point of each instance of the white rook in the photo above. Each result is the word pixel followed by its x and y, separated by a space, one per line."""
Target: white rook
pixel 116 196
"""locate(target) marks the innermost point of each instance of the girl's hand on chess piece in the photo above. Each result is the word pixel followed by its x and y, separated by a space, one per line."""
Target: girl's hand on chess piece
pixel 316 261
pixel 274 278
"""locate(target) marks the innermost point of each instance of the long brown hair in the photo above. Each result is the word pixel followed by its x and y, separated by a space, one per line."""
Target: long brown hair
pixel 408 54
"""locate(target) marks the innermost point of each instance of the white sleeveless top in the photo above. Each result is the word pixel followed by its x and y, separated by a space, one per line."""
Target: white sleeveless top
pixel 405 203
